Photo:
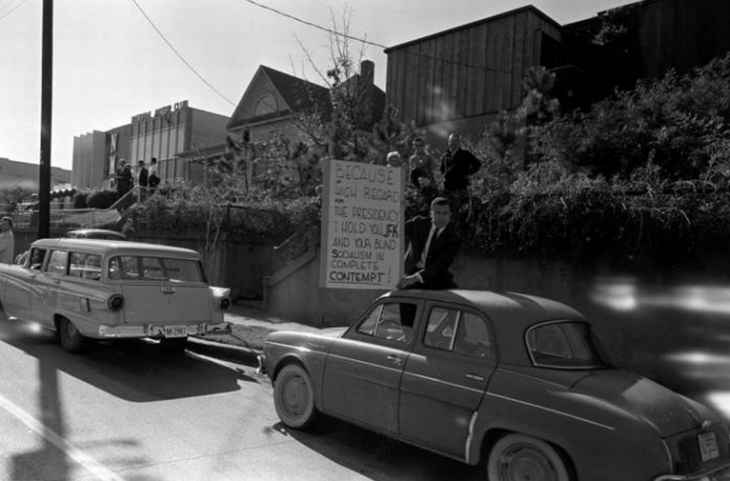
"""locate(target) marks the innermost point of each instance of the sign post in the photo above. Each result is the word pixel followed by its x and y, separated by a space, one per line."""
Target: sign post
pixel 362 236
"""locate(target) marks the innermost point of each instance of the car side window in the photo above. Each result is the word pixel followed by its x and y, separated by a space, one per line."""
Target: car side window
pixel 472 337
pixel 441 328
pixel 457 331
pixel 36 258
pixel 57 263
pixel 85 266
pixel 393 321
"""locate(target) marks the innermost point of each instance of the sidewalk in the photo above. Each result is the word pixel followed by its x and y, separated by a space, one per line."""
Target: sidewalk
pixel 249 327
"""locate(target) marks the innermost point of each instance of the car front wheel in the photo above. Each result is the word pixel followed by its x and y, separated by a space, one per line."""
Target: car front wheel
pixel 71 339
pixel 517 457
pixel 294 397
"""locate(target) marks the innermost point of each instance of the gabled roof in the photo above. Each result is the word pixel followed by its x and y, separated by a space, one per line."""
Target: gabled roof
pixel 299 95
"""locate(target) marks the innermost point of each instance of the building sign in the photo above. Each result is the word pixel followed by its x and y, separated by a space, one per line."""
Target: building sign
pixel 362 238
pixel 166 110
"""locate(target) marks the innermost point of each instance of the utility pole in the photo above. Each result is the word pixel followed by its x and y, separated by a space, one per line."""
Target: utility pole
pixel 44 181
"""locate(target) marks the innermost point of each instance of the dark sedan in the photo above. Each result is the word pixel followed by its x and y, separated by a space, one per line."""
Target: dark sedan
pixel 509 380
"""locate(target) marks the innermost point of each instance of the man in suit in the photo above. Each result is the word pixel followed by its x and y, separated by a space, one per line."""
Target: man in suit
pixel 433 246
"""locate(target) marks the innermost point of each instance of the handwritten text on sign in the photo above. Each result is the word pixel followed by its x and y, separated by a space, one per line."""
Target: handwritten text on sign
pixel 363 218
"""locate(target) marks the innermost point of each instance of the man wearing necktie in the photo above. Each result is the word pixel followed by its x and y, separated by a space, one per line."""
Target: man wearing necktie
pixel 432 245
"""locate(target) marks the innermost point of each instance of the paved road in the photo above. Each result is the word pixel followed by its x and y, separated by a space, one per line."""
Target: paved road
pixel 132 411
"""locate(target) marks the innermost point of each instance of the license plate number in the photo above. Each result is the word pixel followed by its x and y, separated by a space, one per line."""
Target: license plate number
pixel 176 331
pixel 708 446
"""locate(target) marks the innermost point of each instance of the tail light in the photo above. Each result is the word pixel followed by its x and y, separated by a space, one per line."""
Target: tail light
pixel 115 302
pixel 224 303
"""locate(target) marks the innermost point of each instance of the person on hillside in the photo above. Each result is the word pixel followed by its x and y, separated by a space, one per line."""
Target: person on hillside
pixel 142 179
pixel 153 180
pixel 421 164
pixel 123 178
pixel 432 246
pixel 393 159
pixel 7 241
pixel 457 165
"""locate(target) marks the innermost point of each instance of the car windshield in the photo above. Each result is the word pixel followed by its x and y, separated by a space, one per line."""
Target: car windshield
pixel 563 344
pixel 155 269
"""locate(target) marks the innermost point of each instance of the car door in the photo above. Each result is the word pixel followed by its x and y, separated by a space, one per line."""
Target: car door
pixel 46 287
pixel 445 378
pixel 19 285
pixel 364 368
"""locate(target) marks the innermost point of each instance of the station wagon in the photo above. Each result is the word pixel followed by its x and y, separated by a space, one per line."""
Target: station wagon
pixel 103 289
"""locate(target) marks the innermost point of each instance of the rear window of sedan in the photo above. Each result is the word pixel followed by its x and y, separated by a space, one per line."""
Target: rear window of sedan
pixel 152 269
pixel 562 344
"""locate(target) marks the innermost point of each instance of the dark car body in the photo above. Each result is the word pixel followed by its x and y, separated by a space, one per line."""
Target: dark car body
pixel 510 380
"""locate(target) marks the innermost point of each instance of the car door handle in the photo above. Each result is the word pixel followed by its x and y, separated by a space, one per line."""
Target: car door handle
pixel 474 377
pixel 395 360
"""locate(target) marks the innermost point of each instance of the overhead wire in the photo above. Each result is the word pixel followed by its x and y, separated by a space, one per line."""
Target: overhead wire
pixel 12 9
pixel 180 56
pixel 375 44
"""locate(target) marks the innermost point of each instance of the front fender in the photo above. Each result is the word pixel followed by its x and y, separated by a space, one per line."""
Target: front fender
pixel 308 350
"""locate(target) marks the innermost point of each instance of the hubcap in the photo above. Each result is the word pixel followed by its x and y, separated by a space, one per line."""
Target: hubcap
pixel 295 396
pixel 524 463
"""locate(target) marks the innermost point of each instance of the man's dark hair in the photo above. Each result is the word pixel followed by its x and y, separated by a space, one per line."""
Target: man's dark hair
pixel 440 201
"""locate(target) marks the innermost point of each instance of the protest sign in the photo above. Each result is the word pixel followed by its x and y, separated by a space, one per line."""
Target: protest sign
pixel 361 226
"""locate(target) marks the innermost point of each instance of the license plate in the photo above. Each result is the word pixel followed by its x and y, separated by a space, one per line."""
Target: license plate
pixel 708 446
pixel 176 331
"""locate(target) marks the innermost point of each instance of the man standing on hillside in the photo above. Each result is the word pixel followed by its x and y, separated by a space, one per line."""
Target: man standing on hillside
pixel 123 178
pixel 457 165
pixel 141 180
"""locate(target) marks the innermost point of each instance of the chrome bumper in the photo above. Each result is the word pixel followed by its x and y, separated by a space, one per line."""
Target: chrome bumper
pixel 153 330
pixel 261 361
pixel 717 474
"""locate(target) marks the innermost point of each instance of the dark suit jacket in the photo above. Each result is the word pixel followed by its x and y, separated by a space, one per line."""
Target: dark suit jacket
pixel 436 273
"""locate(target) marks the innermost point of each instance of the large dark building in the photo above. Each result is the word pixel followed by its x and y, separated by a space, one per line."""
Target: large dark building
pixel 460 79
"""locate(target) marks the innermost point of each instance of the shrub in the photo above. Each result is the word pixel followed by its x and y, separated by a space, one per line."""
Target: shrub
pixel 102 199
pixel 80 200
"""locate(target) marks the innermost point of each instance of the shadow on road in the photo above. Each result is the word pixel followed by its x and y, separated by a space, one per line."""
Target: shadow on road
pixel 133 370
pixel 378 457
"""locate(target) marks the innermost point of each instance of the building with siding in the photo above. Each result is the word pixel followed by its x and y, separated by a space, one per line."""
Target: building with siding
pixel 461 78
pixel 95 155
pixel 171 131
pixel 646 39
pixel 164 134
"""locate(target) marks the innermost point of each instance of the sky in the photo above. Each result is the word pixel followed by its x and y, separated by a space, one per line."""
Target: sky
pixel 114 59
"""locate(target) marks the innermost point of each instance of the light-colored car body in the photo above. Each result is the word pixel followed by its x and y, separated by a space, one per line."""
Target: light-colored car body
pixel 104 289
pixel 512 381
pixel 88 233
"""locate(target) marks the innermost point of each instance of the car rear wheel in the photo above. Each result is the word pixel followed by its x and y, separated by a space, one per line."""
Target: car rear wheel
pixel 71 339
pixel 294 397
pixel 517 457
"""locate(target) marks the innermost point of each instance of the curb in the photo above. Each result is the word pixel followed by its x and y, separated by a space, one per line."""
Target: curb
pixel 223 351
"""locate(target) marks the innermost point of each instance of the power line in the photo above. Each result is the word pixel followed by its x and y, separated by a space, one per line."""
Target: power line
pixel 179 55
pixel 314 25
pixel 374 44
pixel 13 9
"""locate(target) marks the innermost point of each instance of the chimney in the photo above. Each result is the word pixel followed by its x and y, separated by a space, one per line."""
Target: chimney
pixel 367 71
